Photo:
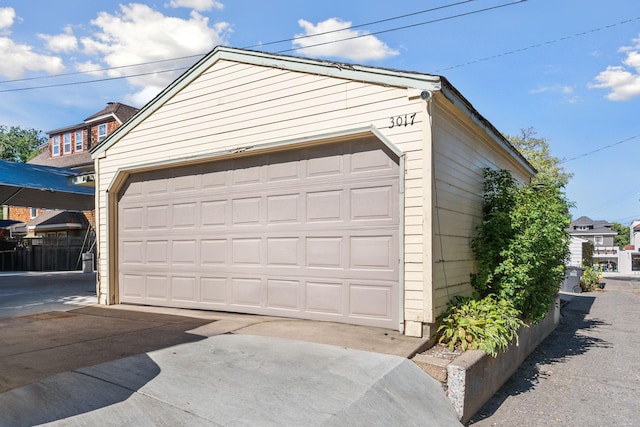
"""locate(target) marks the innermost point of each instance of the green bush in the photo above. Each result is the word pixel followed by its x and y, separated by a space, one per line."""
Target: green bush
pixel 520 248
pixel 488 324
pixel 590 279
pixel 522 243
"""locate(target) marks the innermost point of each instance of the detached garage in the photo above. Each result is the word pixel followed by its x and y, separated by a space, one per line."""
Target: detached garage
pixel 284 186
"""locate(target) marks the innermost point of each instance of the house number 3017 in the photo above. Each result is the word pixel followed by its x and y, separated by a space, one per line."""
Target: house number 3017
pixel 406 120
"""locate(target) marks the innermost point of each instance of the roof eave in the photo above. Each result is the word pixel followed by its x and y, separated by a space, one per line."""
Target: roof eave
pixel 454 96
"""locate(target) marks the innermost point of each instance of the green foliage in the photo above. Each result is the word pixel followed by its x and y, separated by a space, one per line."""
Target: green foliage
pixel 538 153
pixel 623 237
pixel 590 279
pixel 19 145
pixel 522 244
pixel 587 254
pixel 488 324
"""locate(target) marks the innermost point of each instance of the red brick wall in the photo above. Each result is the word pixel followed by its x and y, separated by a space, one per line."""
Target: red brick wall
pixel 21 214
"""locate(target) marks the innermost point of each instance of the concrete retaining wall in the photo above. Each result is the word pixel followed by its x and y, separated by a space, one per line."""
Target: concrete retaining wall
pixel 473 377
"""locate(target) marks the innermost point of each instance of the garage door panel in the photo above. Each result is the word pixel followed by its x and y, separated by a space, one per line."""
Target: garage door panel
pixel 183 288
pixel 213 213
pixel 157 287
pixel 374 203
pixel 325 206
pixel 214 290
pixel 284 294
pixel 324 297
pixel 370 301
pixel 246 211
pixel 284 209
pixel 246 291
pixel 309 233
pixel 213 252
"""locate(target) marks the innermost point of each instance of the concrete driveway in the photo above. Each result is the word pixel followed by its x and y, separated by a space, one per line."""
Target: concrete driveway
pixel 126 365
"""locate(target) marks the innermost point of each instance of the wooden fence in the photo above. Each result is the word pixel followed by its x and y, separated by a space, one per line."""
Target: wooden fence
pixel 45 254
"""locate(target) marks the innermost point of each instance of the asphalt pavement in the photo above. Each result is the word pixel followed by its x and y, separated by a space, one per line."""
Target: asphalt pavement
pixel 586 373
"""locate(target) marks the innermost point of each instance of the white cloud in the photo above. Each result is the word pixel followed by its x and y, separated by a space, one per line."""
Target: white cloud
pixel 336 40
pixel 199 5
pixel 141 35
pixel 7 15
pixel 19 58
pixel 66 42
pixel 622 81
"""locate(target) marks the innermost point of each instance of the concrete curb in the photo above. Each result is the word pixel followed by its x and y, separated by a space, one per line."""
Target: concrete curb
pixel 473 377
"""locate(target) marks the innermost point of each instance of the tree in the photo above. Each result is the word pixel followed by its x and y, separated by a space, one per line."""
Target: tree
pixel 19 145
pixel 538 153
pixel 522 244
pixel 624 235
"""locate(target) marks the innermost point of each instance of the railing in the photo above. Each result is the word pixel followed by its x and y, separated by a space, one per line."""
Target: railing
pixel 603 251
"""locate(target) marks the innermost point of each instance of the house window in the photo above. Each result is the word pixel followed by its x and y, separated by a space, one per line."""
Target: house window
pixel 67 143
pixel 55 149
pixel 33 212
pixel 102 132
pixel 79 141
pixel 598 240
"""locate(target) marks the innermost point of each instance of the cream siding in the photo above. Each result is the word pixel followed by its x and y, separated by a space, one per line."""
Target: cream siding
pixel 238 105
pixel 461 151
pixel 227 106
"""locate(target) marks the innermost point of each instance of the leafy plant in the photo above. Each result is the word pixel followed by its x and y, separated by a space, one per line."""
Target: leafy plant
pixel 488 324
pixel 590 279
pixel 522 243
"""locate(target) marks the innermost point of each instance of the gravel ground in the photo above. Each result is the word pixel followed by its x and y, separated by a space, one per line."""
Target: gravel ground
pixel 586 373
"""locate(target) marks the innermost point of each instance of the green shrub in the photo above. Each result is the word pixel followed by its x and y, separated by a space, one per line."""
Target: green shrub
pixel 488 324
pixel 522 243
pixel 590 279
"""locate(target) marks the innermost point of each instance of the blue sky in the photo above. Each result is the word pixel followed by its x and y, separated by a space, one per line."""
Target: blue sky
pixel 569 68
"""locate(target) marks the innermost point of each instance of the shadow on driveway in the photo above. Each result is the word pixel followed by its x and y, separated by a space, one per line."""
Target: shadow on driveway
pixel 38 346
pixel 569 339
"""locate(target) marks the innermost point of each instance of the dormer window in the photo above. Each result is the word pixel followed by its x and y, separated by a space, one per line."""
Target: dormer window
pixel 79 141
pixel 55 148
pixel 67 143
pixel 102 132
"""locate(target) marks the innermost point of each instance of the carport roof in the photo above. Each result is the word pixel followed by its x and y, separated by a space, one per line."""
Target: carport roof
pixel 38 186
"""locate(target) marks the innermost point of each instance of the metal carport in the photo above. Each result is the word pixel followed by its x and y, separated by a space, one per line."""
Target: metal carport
pixel 24 184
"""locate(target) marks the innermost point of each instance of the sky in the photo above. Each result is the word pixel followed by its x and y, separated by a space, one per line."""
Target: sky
pixel 568 69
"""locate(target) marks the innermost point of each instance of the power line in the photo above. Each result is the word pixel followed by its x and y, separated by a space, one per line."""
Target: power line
pixel 351 27
pixel 560 39
pixel 420 12
pixel 282 51
pixel 600 149
pixel 410 26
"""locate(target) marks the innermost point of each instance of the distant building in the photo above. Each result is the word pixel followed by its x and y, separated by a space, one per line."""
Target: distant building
pixel 630 256
pixel 69 147
pixel 601 234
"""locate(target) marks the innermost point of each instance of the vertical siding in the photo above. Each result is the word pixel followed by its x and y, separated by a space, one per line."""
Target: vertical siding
pixel 239 105
pixel 461 150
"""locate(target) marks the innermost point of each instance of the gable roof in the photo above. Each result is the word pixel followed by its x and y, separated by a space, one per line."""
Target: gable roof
pixel 120 112
pixel 57 219
pixel 424 84
pixel 80 160
pixel 596 226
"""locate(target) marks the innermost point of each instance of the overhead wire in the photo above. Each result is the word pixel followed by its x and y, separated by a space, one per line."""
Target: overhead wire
pixel 366 24
pixel 366 34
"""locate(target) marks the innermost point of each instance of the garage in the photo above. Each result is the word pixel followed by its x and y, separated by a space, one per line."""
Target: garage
pixel 288 186
pixel 308 232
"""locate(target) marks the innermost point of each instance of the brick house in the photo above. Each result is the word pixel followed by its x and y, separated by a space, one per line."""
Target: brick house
pixel 69 147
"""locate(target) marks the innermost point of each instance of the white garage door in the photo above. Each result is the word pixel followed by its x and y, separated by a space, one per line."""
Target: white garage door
pixel 309 233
